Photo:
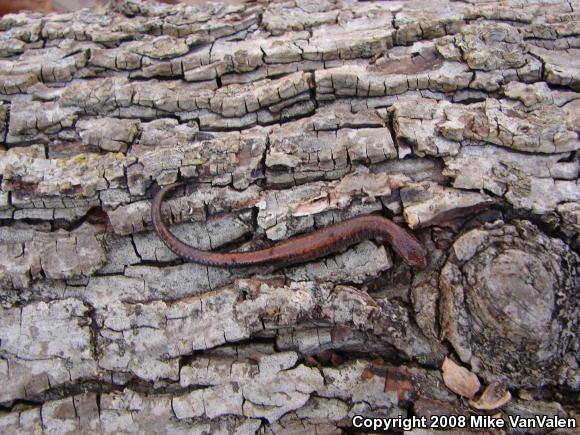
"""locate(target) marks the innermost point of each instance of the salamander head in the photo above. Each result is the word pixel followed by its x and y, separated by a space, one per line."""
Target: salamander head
pixel 418 258
pixel 411 251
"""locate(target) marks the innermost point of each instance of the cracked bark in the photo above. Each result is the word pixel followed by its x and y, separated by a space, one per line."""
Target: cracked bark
pixel 456 119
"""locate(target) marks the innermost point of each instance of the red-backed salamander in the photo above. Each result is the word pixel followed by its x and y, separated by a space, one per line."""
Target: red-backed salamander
pixel 298 249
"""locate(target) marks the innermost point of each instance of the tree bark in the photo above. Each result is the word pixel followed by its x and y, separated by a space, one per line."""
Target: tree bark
pixel 458 120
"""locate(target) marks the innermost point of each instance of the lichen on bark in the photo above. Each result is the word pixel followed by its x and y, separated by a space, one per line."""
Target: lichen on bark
pixel 458 120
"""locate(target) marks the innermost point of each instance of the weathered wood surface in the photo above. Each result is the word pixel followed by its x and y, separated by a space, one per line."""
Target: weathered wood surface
pixel 459 120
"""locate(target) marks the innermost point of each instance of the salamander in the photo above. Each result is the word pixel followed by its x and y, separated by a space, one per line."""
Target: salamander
pixel 299 249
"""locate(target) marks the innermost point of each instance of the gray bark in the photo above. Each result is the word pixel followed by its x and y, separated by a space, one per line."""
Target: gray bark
pixel 459 120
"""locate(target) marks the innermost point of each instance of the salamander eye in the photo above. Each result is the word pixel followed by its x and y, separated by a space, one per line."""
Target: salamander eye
pixel 419 258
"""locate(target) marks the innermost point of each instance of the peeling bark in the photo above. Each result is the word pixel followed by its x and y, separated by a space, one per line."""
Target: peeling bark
pixel 459 120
